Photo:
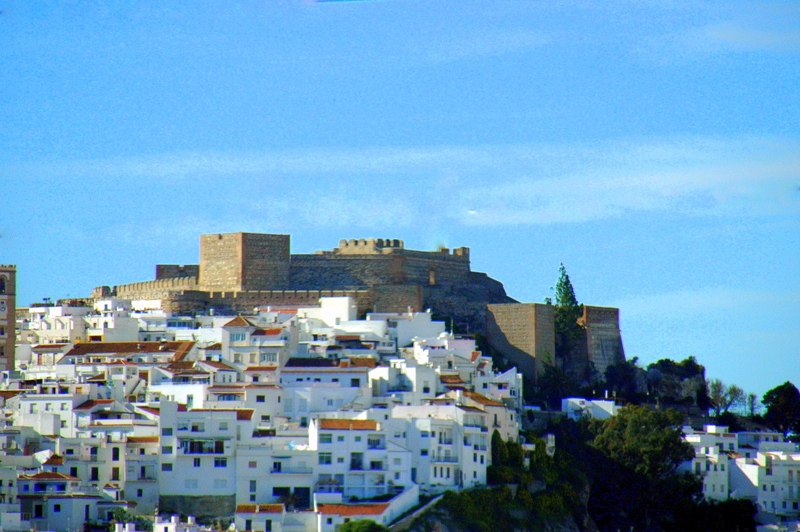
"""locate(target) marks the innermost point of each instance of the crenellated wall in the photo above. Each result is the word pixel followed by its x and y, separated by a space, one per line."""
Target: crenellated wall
pixel 171 271
pixel 153 289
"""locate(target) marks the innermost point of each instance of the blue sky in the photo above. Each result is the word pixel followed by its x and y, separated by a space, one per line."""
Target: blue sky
pixel 653 147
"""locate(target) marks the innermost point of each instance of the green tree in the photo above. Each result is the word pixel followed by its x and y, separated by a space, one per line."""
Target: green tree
pixel 567 310
pixel 362 525
pixel 649 442
pixel 724 398
pixel 499 450
pixel 783 408
pixel 752 405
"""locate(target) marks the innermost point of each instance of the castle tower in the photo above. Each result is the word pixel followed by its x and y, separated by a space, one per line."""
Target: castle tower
pixel 236 262
pixel 8 305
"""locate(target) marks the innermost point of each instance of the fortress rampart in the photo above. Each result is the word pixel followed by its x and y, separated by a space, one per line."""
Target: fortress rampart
pixel 239 271
pixel 158 289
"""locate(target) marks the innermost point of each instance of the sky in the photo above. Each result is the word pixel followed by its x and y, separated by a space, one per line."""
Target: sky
pixel 653 147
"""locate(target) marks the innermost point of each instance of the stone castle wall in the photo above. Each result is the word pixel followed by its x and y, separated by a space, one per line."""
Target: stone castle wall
pixel 171 271
pixel 603 337
pixel 158 289
pixel 8 294
pixel 398 266
pixel 265 261
pixel 524 333
pixel 243 261
pixel 220 262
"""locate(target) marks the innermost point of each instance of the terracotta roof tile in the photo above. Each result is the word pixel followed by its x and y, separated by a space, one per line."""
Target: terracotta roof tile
pixel 261 368
pixel 94 348
pixel 55 459
pixel 352 509
pixel 348 424
pixel 48 475
pixel 363 362
pixel 259 509
pixel 239 321
pixel 142 439
pixel 267 332
pixel 91 403
pixel 482 399
pixel 450 379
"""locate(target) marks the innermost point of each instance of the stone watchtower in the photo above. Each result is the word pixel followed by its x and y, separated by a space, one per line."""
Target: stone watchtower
pixel 236 262
pixel 8 304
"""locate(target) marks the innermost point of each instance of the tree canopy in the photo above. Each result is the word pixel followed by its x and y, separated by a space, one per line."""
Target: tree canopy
pixel 647 441
pixel 783 408
pixel 567 310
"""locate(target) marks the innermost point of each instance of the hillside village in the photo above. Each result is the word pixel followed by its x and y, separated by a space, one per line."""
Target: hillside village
pixel 240 398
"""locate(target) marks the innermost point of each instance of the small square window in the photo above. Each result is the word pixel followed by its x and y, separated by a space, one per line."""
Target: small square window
pixel 56 508
pixel 220 462
pixel 166 467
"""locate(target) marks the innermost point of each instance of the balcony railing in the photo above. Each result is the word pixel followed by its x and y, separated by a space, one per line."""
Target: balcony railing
pixel 445 459
pixel 293 471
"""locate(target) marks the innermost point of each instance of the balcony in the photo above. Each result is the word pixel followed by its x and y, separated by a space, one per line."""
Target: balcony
pixel 444 459
pixel 292 471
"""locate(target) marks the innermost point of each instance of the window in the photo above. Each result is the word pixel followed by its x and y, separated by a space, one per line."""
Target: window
pixel 423 452
pixel 139 493
pixel 166 431
pixel 252 464
pixel 56 508
pixel 238 337
pixel 197 462
pixel 94 474
pixel 325 458
pixel 114 473
pixel 220 462
pixel 198 427
pixel 223 425
pixel 355 383
pixel 73 471
pixel 252 486
pixel 166 468
pixel 425 434
pixel 340 438
pixel 261 398
pixel 326 438
pixel 166 449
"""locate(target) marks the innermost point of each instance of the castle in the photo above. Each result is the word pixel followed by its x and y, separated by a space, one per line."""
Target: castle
pixel 241 271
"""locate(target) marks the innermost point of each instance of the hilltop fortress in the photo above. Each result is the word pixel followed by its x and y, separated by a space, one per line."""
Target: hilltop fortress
pixel 241 271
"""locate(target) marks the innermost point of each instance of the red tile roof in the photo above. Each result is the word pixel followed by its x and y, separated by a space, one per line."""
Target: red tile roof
pixel 142 439
pixel 363 362
pixel 218 365
pixel 352 509
pixel 450 379
pixel 239 321
pixel 48 475
pixel 482 399
pixel 91 403
pixel 348 424
pixel 267 332
pixel 90 348
pixel 259 509
pixel 261 368
pixel 55 459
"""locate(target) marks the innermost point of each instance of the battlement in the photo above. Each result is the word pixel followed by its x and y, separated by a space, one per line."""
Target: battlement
pixel 8 267
pixel 369 246
pixel 154 289
pixel 171 271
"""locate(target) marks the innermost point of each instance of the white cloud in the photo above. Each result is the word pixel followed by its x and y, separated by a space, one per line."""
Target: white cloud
pixel 481 185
